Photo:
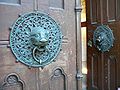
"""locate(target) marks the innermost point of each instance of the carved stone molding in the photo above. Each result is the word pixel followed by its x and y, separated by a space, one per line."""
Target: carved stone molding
pixel 58 79
pixel 12 82
pixel 57 4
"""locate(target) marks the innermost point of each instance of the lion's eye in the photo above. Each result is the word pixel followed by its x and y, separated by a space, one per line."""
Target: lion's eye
pixel 37 35
pixel 46 34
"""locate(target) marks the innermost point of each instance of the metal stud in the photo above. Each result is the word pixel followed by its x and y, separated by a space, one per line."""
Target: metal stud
pixel 10 28
pixel 8 46
pixel 62 36
pixel 54 60
pixel 17 60
pixel 29 67
pixel 42 67
pixel 19 15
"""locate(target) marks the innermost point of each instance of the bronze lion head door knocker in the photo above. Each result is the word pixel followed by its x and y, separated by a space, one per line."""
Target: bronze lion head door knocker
pixel 35 39
pixel 103 38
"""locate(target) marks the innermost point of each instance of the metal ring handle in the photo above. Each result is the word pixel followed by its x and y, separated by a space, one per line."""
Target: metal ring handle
pixel 39 61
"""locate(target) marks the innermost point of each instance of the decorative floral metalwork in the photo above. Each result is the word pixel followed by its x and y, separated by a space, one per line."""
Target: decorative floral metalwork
pixel 35 39
pixel 103 38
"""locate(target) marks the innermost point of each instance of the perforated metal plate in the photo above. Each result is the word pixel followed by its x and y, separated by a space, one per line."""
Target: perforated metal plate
pixel 20 39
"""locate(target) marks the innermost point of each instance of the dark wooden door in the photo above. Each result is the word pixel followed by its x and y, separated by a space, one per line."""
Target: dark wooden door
pixel 59 75
pixel 103 68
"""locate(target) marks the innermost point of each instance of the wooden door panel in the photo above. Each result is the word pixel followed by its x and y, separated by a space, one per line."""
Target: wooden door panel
pixel 9 13
pixel 111 10
pixel 117 10
pixel 103 70
pixel 115 50
pixel 56 81
pixel 63 14
pixel 28 78
pixel 59 75
pixel 8 65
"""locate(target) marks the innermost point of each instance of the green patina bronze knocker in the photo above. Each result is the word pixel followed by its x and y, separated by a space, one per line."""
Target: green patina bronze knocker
pixel 103 38
pixel 39 38
pixel 35 39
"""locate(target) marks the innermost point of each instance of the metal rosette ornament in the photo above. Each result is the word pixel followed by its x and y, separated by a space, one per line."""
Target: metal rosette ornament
pixel 35 39
pixel 103 38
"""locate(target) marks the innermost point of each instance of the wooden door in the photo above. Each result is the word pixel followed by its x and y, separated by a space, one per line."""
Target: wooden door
pixel 59 75
pixel 103 68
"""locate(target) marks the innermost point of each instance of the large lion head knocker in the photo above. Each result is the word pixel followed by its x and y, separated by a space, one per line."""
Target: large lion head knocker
pixel 35 39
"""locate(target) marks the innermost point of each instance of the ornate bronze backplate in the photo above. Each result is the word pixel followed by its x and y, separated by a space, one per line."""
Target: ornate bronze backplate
pixel 35 39
pixel 103 38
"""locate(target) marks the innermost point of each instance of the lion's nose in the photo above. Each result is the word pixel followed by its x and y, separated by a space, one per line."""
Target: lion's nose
pixel 43 40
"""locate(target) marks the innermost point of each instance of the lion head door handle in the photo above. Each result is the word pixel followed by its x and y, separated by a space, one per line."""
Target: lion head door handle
pixel 39 38
pixel 103 38
pixel 35 39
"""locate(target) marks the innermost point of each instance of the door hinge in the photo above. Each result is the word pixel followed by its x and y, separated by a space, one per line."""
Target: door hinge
pixel 79 76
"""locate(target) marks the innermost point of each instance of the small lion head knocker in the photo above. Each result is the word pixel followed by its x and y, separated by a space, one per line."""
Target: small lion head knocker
pixel 103 38
pixel 39 38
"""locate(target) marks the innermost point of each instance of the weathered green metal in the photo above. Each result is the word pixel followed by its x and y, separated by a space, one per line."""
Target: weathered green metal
pixel 103 38
pixel 35 39
pixel 39 38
